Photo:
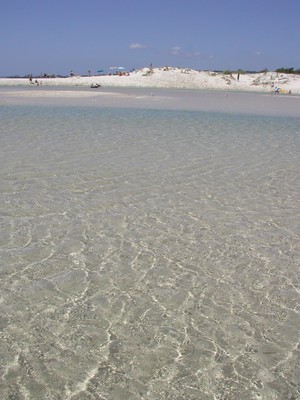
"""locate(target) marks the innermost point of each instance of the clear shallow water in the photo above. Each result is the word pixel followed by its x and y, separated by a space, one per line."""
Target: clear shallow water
pixel 148 254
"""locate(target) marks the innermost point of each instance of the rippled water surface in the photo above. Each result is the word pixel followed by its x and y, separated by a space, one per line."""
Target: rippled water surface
pixel 148 254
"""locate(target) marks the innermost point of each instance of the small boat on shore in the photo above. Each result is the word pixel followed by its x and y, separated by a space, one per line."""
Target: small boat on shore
pixel 95 85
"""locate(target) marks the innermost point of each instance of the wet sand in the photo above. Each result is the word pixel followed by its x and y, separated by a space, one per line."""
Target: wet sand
pixel 172 99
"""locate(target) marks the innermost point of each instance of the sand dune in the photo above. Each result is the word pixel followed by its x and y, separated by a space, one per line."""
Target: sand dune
pixel 171 77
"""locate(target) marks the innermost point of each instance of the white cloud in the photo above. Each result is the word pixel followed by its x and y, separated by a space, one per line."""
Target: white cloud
pixel 176 50
pixel 137 46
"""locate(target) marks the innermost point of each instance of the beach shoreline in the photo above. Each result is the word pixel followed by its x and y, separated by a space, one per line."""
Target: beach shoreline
pixel 171 77
pixel 233 102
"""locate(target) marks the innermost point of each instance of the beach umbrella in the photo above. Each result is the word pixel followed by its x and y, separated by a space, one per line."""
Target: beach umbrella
pixel 100 70
pixel 113 67
pixel 121 69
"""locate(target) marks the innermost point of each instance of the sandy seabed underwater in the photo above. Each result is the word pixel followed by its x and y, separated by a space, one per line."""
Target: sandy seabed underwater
pixel 148 254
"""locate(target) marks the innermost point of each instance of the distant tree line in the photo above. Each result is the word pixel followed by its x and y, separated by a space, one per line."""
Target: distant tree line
pixel 279 70
pixel 288 71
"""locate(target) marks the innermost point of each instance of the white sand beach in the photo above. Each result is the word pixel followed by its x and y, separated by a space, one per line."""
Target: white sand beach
pixel 179 78
pixel 163 88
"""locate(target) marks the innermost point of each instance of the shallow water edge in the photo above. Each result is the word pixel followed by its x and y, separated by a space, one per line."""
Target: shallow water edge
pixel 176 99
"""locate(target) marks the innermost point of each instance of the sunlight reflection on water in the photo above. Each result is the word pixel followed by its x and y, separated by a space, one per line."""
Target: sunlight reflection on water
pixel 148 254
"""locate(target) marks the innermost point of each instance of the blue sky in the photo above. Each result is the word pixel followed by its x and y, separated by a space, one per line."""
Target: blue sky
pixel 57 36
